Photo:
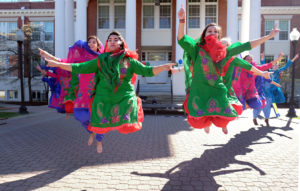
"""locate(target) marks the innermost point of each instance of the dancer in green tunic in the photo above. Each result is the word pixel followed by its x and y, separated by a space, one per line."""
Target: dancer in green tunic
pixel 115 105
pixel 206 101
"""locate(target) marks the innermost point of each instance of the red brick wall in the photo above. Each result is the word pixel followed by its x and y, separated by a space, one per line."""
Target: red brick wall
pixel 139 27
pixel 92 18
pixel 28 5
pixel 222 12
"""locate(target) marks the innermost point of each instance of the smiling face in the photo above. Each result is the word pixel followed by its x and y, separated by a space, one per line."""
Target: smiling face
pixel 93 44
pixel 113 43
pixel 212 30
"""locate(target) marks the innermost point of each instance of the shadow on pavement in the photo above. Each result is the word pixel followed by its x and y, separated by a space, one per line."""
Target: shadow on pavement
pixel 199 173
pixel 58 150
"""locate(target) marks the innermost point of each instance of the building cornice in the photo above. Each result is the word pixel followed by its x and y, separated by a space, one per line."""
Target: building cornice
pixel 27 13
pixel 277 10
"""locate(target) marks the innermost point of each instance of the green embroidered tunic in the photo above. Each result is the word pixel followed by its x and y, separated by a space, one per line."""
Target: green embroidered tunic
pixel 207 95
pixel 115 102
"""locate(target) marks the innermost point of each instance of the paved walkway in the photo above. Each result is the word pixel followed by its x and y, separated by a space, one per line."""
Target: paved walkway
pixel 44 151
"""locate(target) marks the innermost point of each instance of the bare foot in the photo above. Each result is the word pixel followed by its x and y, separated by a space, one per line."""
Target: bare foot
pixel 99 147
pixel 206 129
pixel 91 139
pixel 225 130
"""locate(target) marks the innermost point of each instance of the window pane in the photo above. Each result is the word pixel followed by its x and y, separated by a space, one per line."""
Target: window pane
pixel 165 16
pixel 194 16
pixel 269 58
pixel 120 1
pixel 103 1
pixel 283 35
pixel 269 25
pixel 11 30
pixel 191 1
pixel 36 60
pixel 36 31
pixel 103 21
pixel 156 56
pixel 210 14
pixel 211 10
pixel 120 17
pixel 211 1
pixel 2 94
pixel 148 16
pixel 148 1
pixel 165 1
pixel 284 25
pixel 48 27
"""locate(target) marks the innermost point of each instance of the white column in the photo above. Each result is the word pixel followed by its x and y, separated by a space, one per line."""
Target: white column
pixel 245 25
pixel 178 78
pixel 179 50
pixel 81 20
pixel 255 29
pixel 60 29
pixel 69 24
pixel 131 24
pixel 232 20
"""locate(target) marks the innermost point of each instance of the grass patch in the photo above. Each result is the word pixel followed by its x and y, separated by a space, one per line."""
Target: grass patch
pixel 8 114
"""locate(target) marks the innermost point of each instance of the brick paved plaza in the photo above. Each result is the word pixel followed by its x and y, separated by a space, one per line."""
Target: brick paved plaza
pixel 44 151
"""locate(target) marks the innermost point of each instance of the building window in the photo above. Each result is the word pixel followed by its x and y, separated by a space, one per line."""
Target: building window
pixel 269 58
pixel 3 65
pixel 112 14
pixel 120 17
pixel 283 26
pixel 42 31
pixel 12 94
pixel 103 20
pixel 48 27
pixel 8 30
pixel 268 27
pixel 165 14
pixel 2 94
pixel 148 16
pixel 202 12
pixel 210 14
pixel 284 30
pixel 194 16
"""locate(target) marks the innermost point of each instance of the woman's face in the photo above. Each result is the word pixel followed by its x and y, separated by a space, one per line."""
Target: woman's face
pixel 93 44
pixel 113 43
pixel 212 30
pixel 249 59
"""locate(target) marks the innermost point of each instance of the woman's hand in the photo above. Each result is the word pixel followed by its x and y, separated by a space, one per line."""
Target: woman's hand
pixel 52 63
pixel 295 58
pixel 266 74
pixel 181 12
pixel 274 31
pixel 47 55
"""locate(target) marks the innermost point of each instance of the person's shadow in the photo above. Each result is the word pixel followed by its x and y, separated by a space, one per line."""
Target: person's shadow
pixel 43 154
pixel 199 173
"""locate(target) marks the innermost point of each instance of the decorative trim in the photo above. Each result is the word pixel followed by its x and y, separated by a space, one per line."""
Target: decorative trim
pixel 278 17
pixel 277 10
pixel 27 13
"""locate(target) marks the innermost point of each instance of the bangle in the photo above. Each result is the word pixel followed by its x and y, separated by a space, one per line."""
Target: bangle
pixel 181 20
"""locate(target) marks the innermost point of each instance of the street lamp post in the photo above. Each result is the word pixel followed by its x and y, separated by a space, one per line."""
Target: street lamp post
pixel 20 39
pixel 294 37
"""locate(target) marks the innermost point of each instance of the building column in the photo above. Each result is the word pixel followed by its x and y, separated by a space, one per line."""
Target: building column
pixel 245 25
pixel 81 20
pixel 255 32
pixel 178 79
pixel 232 20
pixel 60 29
pixel 131 24
pixel 69 24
